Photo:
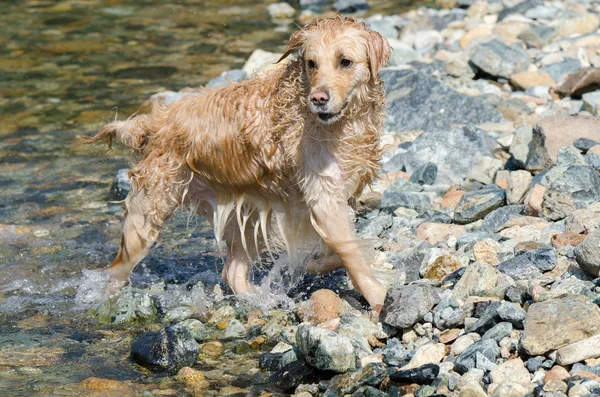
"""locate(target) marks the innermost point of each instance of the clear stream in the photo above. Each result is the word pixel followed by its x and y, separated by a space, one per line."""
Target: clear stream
pixel 66 68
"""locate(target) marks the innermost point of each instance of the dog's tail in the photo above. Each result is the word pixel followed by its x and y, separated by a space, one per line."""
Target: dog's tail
pixel 133 133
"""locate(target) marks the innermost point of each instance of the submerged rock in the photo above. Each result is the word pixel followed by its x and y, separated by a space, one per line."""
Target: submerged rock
pixel 169 349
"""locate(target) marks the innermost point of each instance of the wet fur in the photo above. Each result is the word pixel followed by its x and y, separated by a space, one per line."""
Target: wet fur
pixel 258 163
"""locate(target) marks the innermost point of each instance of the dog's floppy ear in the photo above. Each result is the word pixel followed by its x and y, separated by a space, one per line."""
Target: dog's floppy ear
pixel 296 41
pixel 378 51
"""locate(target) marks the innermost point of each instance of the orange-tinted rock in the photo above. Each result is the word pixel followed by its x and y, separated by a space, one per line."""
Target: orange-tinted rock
pixel 451 198
pixel 556 373
pixel 323 305
pixel 108 386
pixel 442 267
pixel 434 233
pixel 566 239
pixel 192 378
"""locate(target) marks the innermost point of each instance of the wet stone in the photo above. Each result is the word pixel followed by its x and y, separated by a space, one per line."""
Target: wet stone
pixel 169 349
pixel 477 204
pixel 294 374
pixel 195 327
pixel 349 6
pixel 422 375
pixel 235 330
pixel 371 374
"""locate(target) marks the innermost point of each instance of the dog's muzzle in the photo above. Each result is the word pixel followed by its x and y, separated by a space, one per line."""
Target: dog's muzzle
pixel 332 116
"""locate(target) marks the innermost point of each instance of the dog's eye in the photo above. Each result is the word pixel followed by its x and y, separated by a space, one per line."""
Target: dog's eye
pixel 346 63
pixel 311 64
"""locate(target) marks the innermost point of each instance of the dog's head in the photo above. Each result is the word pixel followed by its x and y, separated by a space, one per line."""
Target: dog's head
pixel 340 56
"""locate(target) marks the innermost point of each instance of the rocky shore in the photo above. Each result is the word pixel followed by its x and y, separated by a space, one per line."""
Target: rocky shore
pixel 488 217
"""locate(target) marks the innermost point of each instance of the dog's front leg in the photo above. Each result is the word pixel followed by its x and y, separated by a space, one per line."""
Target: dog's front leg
pixel 330 219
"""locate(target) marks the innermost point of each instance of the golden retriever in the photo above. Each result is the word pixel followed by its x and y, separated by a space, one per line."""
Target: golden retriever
pixel 281 154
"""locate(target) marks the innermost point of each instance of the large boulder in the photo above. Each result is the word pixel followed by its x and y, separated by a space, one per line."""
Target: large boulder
pixel 454 151
pixel 417 101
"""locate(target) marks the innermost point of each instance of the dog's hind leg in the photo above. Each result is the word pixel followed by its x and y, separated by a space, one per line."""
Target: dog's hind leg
pixel 237 263
pixel 146 211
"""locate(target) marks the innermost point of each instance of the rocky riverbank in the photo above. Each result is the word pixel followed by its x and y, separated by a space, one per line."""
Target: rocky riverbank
pixel 487 213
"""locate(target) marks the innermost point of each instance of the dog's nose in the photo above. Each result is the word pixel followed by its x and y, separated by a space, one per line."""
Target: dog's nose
pixel 319 98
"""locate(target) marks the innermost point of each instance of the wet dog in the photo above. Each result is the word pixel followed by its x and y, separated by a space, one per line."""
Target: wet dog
pixel 272 162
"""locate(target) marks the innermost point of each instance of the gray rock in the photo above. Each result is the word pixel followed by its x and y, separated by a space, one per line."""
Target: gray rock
pixel 417 101
pixel 519 269
pixel 519 148
pixel 569 155
pixel 480 279
pixel 235 330
pixel 583 144
pixel 169 349
pixel 281 12
pixel 326 350
pixel 529 264
pixel 560 70
pixel 542 12
pixel 537 36
pixel 384 26
pixel 406 305
pixel 195 327
pixel 520 8
pixel 512 313
pixel 408 262
pixel 593 160
pixel 425 174
pixel 394 353
pixel 370 374
pixel 402 53
pixel 534 363
pixel 130 305
pixel 453 151
pixel 467 360
pixel 227 78
pixel 395 196
pixel 557 206
pixel 498 59
pixel 488 318
pixel 580 182
pixel 449 314
pixel 498 331
pixel 375 227
pixel 494 221
pixel 349 6
pixel 591 102
pixel 477 204
pixel 314 5
pixel 587 254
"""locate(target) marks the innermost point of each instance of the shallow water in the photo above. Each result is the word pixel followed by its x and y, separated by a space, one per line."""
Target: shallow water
pixel 65 69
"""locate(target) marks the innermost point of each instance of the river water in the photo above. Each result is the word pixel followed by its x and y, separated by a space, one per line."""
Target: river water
pixel 66 68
